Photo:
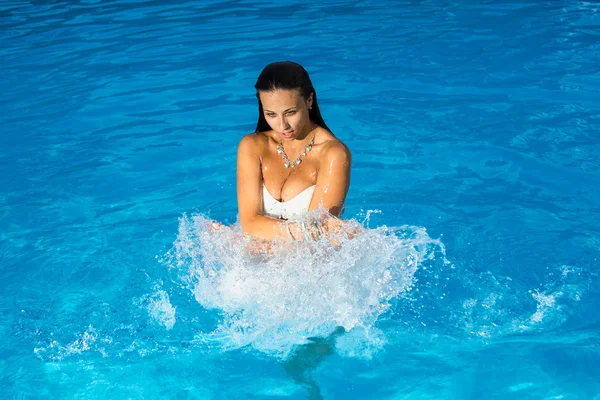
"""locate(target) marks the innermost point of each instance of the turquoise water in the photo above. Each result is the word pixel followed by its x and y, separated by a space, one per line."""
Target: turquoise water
pixel 474 130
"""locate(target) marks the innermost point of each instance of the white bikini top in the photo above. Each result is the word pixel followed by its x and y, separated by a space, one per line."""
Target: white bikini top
pixel 285 209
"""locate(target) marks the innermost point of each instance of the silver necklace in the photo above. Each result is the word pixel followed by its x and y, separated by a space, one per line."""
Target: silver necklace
pixel 295 162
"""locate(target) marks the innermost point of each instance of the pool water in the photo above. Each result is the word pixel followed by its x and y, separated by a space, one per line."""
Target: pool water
pixel 474 130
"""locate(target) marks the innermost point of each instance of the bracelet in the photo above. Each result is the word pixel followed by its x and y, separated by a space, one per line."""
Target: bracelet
pixel 305 233
pixel 318 228
pixel 311 230
pixel 289 231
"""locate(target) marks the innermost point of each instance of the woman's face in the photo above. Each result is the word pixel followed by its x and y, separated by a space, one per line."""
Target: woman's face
pixel 286 112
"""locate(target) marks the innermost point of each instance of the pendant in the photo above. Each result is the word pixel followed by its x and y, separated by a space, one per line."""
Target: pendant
pixel 286 161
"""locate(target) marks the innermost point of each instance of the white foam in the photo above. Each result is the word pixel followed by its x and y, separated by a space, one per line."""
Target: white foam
pixel 160 309
pixel 56 351
pixel 300 290
pixel 503 308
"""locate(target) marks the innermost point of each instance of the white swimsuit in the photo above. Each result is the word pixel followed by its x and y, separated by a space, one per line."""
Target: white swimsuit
pixel 285 209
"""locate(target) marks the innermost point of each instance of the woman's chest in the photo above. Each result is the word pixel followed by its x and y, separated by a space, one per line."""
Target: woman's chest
pixel 285 183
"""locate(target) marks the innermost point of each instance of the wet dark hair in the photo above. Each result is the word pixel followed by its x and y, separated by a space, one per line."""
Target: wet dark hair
pixel 286 75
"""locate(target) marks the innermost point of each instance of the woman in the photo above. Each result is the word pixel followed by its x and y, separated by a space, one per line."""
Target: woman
pixel 292 164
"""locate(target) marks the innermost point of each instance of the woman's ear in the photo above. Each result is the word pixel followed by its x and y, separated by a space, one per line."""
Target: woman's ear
pixel 309 101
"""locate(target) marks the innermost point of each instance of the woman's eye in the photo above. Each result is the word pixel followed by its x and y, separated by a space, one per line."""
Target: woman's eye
pixel 291 112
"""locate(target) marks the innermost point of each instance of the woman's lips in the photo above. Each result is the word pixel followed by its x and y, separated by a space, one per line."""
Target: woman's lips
pixel 287 135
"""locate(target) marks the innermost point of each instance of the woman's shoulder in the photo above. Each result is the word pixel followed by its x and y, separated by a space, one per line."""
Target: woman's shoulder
pixel 332 148
pixel 254 141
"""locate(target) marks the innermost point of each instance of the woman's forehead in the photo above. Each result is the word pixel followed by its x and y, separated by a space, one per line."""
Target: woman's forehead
pixel 280 98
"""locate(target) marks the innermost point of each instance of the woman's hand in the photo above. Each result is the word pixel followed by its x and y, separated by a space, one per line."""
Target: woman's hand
pixel 329 226
pixel 214 226
pixel 338 227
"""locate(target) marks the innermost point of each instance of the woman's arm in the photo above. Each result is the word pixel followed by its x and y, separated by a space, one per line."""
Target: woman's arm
pixel 249 193
pixel 333 178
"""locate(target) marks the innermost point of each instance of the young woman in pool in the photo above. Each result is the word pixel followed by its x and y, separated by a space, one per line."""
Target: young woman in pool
pixel 292 164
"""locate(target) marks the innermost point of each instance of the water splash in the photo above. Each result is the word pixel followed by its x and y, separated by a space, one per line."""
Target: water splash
pixel 274 302
pixel 56 351
pixel 160 309
pixel 462 303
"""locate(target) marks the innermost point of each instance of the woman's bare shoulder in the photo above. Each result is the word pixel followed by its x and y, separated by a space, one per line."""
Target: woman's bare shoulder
pixel 255 141
pixel 333 148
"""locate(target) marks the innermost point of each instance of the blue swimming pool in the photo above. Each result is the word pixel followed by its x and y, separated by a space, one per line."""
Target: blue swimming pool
pixel 475 134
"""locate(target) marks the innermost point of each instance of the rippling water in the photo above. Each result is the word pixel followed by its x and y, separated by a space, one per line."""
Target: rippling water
pixel 476 170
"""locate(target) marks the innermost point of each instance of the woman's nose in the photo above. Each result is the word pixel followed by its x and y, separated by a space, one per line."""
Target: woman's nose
pixel 283 123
